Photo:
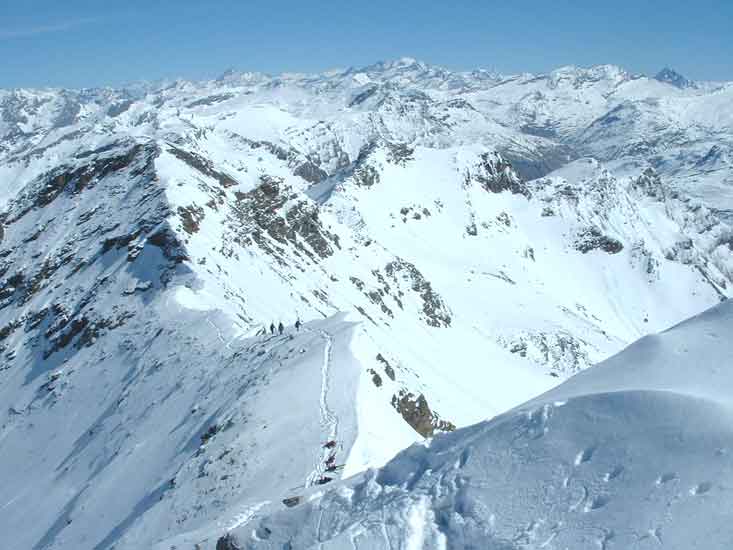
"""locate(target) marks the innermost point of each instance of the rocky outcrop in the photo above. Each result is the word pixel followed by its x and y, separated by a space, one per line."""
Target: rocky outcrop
pixel 416 412
pixel 650 184
pixel 228 542
pixel 561 352
pixel 592 238
pixel 435 312
pixel 137 159
pixel 496 175
pixel 399 153
pixel 202 165
pixel 260 217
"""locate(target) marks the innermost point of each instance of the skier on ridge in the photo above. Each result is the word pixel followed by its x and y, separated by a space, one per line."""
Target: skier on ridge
pixel 297 325
pixel 272 328
pixel 280 328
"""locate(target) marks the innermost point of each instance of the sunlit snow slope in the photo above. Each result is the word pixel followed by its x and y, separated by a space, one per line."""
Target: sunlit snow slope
pixel 632 453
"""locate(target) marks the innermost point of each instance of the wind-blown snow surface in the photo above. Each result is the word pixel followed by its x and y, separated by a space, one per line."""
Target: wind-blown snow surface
pixel 632 453
pixel 456 243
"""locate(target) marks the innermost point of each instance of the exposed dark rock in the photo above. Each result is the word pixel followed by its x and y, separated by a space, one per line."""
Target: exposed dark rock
pixel 72 181
pixel 460 103
pixel 387 367
pixel 65 338
pixel 119 107
pixel 399 153
pixel 87 328
pixel 650 183
pixel 211 100
pixel 376 379
pixel 520 348
pixel 228 542
pixel 561 352
pixel 362 96
pixel 670 76
pixel 640 254
pixel 8 329
pixel 257 218
pixel 310 172
pixel 358 283
pixel 209 433
pixel 376 298
pixel 504 219
pixel 592 238
pixel 33 320
pixel 290 502
pixel 503 277
pixel 118 241
pixel 202 165
pixel 167 240
pixel 496 175
pixel 191 217
pixel 277 151
pixel 435 312
pixel 11 285
pixel 364 173
pixel 417 413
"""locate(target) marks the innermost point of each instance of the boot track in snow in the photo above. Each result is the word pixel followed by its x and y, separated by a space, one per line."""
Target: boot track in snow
pixel 328 420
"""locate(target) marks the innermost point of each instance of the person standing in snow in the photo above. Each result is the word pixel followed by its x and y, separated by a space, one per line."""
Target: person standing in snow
pixel 272 328
pixel 297 325
pixel 280 327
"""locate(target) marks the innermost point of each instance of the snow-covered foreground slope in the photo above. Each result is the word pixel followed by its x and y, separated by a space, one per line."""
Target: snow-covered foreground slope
pixel 632 453
pixel 132 445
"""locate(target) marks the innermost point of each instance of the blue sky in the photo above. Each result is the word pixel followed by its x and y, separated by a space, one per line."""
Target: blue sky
pixel 78 43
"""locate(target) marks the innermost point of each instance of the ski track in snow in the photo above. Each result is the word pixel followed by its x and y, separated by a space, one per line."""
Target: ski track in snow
pixel 328 420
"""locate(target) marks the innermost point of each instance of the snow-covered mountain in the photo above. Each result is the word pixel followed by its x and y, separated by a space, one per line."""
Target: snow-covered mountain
pixel 455 243
pixel 632 453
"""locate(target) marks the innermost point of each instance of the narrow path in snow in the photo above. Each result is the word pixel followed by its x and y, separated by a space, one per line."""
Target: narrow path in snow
pixel 219 334
pixel 328 420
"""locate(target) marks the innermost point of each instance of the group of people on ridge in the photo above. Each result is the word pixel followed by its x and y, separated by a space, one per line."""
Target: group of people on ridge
pixel 281 328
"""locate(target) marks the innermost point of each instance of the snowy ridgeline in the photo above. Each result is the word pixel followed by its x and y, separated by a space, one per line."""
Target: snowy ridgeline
pixel 632 453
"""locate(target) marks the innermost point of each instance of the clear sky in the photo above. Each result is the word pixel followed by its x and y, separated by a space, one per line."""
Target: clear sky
pixel 80 43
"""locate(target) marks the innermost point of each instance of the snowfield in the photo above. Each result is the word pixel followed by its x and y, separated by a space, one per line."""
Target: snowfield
pixel 632 453
pixel 455 244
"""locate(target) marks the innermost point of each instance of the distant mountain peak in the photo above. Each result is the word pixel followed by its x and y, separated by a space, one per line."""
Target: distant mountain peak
pixel 397 65
pixel 670 76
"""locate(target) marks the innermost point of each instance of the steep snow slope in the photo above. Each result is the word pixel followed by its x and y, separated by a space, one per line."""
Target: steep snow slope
pixel 632 453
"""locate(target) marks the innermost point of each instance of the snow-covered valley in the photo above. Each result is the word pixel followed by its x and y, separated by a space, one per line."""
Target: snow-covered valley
pixel 455 244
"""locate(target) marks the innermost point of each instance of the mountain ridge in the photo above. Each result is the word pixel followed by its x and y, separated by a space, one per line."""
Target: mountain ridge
pixel 453 248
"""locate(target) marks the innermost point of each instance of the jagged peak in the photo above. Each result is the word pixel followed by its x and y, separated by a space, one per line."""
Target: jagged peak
pixel 670 76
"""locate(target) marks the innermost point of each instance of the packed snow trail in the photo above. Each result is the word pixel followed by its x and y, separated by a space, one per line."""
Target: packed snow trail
pixel 328 420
